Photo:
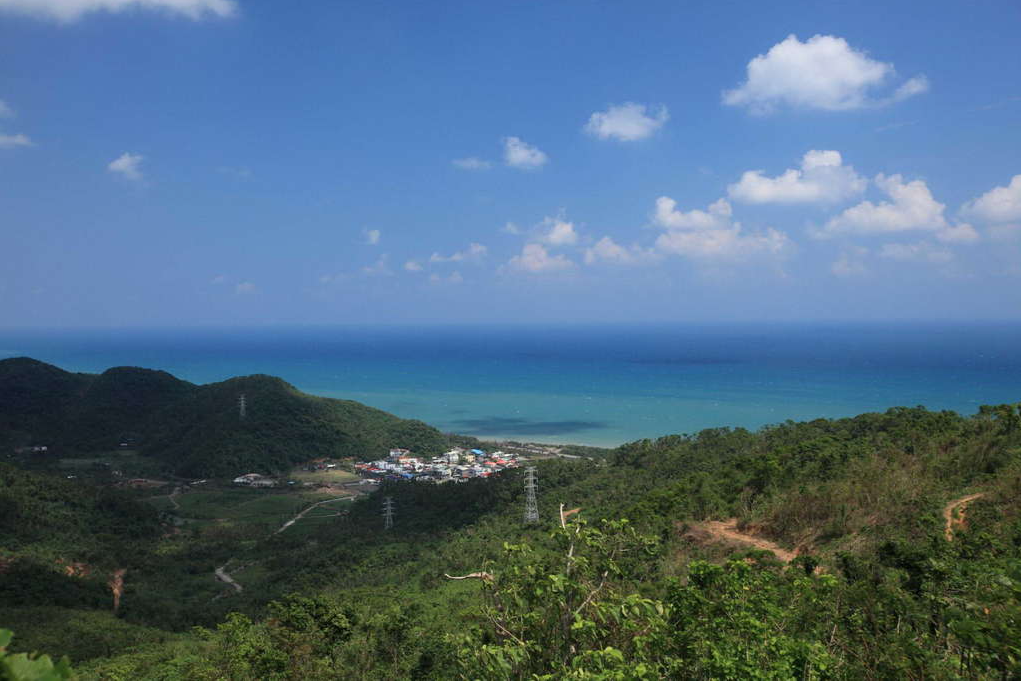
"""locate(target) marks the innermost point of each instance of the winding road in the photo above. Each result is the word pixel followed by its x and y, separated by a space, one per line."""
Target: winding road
pixel 221 572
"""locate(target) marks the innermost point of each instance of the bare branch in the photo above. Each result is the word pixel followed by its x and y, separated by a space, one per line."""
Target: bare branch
pixel 484 576
pixel 592 595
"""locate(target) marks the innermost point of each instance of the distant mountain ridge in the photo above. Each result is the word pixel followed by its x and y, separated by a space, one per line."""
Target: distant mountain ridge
pixel 195 429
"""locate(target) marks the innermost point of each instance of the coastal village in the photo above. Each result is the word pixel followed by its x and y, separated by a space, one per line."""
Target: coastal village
pixel 456 465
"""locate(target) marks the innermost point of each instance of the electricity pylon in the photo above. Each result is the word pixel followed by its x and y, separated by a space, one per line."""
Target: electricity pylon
pixel 531 505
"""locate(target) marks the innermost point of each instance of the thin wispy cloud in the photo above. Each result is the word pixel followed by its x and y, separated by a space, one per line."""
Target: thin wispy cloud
pixel 472 163
pixel 127 165
pixel 73 10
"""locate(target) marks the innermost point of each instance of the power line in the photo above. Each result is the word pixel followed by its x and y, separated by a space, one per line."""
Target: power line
pixel 531 505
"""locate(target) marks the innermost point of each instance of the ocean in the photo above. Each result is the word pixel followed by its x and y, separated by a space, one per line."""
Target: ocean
pixel 596 385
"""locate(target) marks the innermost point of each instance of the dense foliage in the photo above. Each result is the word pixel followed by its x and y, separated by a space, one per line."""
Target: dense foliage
pixel 193 430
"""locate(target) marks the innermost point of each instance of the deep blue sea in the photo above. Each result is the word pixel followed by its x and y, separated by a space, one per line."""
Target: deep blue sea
pixel 600 385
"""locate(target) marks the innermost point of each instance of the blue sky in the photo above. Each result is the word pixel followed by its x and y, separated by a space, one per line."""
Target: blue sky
pixel 196 162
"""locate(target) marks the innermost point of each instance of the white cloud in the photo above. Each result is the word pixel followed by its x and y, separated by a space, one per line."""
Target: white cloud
pixel 850 264
pixel 921 251
pixel 711 233
pixel 822 73
pixel 912 208
pixel 722 243
pixel 559 232
pixel 11 141
pixel 72 10
pixel 380 268
pixel 127 164
pixel 667 215
pixel 244 288
pixel 607 250
pixel 913 86
pixel 372 236
pixel 473 252
pixel 626 122
pixel 219 279
pixel 998 205
pixel 453 278
pixel 413 266
pixel 471 163
pixel 822 179
pixel 518 154
pixel 5 110
pixel 962 233
pixel 535 258
pixel 511 228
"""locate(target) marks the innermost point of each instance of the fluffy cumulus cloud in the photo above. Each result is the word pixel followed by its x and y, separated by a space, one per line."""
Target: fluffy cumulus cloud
pixel 474 252
pixel 911 208
pixel 518 154
pixel 372 236
pixel 711 234
pixel 716 217
pixel 71 10
pixel 921 251
pixel 412 266
pixel 244 288
pixel 127 165
pixel 822 178
pixel 626 122
pixel 823 72
pixel 997 206
pixel 535 258
pixel 471 163
pixel 558 232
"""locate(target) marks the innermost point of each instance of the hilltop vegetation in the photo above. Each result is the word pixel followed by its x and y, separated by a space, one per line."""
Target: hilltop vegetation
pixel 902 531
pixel 192 429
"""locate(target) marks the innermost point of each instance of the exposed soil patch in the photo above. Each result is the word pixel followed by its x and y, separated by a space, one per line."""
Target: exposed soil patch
pixel 954 512
pixel 727 531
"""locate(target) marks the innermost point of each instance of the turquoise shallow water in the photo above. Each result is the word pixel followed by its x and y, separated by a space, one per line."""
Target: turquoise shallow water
pixel 590 385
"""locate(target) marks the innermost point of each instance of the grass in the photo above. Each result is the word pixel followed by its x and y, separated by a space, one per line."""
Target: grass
pixel 247 506
pixel 332 475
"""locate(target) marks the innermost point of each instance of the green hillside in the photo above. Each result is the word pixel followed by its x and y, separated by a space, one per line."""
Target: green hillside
pixel 193 429
pixel 882 546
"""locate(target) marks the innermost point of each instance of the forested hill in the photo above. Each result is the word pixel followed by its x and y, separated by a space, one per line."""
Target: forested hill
pixel 194 429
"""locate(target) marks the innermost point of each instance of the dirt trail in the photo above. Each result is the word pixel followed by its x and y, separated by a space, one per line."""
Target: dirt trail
pixel 221 573
pixel 959 505
pixel 727 530
pixel 227 579
pixel 302 514
pixel 173 498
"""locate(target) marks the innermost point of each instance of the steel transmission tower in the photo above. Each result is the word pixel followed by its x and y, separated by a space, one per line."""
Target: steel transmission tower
pixel 388 513
pixel 242 406
pixel 531 506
